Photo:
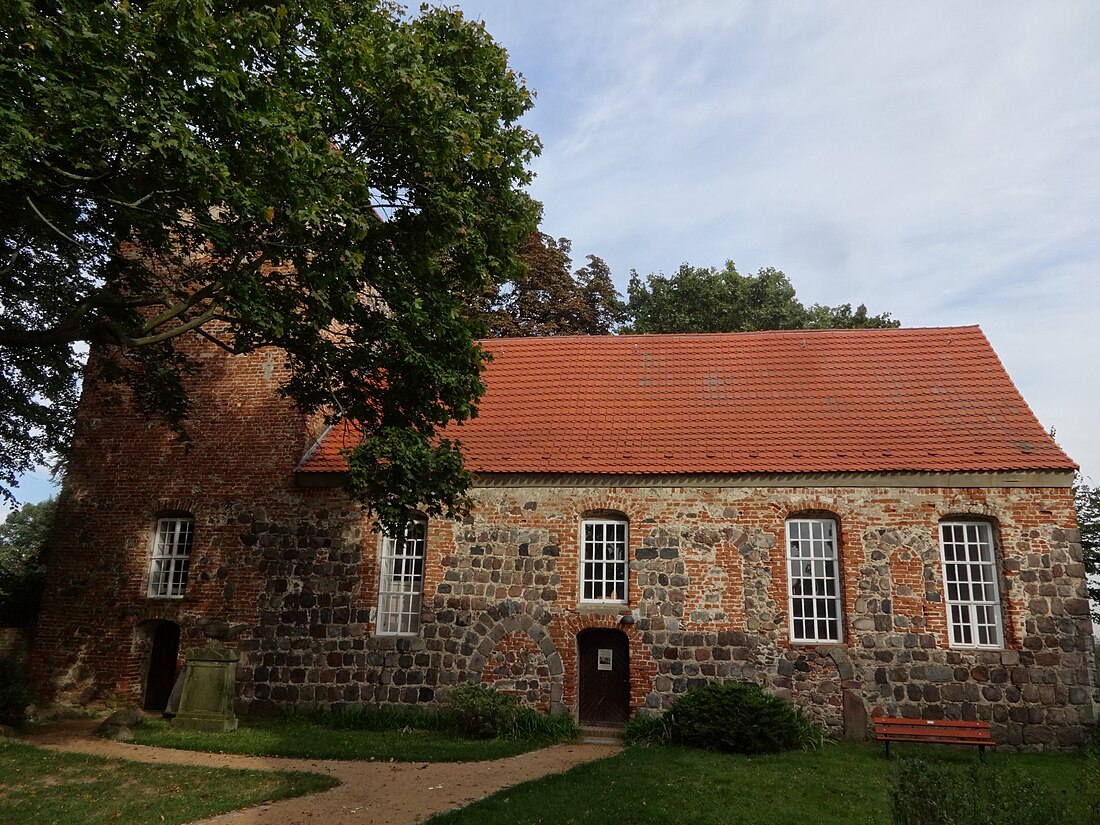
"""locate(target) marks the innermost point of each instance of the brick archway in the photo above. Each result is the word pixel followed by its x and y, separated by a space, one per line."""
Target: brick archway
pixel 509 629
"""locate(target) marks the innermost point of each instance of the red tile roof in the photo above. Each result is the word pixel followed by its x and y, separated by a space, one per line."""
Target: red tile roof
pixel 890 400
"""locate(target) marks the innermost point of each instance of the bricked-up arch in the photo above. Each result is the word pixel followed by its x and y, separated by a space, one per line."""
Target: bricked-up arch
pixel 604 513
pixel 511 620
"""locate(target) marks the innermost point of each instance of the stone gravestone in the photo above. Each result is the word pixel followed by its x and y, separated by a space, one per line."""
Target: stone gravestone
pixel 206 702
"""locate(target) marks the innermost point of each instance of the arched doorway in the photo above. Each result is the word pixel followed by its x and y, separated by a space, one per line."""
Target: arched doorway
pixel 604 677
pixel 163 656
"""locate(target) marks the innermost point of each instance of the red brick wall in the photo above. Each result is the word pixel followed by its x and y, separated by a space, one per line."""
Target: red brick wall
pixel 123 472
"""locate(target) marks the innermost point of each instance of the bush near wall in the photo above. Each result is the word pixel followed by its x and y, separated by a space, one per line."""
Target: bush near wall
pixel 740 718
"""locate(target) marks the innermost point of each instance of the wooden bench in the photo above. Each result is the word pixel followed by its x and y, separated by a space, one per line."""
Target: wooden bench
pixel 937 731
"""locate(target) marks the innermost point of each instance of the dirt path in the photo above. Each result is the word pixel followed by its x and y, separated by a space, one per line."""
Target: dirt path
pixel 370 793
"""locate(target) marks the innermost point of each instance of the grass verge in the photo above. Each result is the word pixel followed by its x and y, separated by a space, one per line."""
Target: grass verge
pixel 302 738
pixel 838 785
pixel 38 785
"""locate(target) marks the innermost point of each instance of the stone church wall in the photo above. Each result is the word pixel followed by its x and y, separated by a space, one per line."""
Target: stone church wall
pixel 707 585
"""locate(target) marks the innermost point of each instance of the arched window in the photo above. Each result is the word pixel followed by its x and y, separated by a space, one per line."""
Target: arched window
pixel 171 556
pixel 603 560
pixel 813 580
pixel 970 580
pixel 401 583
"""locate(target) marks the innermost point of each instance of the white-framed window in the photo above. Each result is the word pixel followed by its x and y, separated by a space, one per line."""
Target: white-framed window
pixel 603 560
pixel 813 580
pixel 970 580
pixel 401 582
pixel 171 557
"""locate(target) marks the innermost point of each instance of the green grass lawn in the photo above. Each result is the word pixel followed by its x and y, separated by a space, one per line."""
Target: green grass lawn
pixel 298 737
pixel 838 785
pixel 43 786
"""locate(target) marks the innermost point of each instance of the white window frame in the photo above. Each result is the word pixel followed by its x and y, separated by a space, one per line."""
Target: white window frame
pixel 604 561
pixel 971 584
pixel 173 539
pixel 813 553
pixel 401 580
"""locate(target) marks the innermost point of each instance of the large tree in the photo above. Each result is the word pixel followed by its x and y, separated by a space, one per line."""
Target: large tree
pixel 322 177
pixel 706 299
pixel 1088 519
pixel 24 537
pixel 548 298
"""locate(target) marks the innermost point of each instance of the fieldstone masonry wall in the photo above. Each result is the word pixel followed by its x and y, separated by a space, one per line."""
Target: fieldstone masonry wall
pixel 707 600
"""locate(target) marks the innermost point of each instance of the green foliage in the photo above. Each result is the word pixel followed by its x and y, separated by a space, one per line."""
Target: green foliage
pixel 647 729
pixel 326 178
pixel 541 728
pixel 929 793
pixel 14 696
pixel 739 718
pixel 1087 500
pixel 547 298
pixel 481 712
pixel 24 537
pixel 698 299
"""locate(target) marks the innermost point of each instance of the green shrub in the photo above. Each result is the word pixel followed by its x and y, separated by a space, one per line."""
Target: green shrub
pixel 14 696
pixel 927 793
pixel 740 718
pixel 532 726
pixel 646 729
pixel 481 712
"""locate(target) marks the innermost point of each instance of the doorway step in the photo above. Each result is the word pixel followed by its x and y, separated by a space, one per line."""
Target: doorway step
pixel 601 735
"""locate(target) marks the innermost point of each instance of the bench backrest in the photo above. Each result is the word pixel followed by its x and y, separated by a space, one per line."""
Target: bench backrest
pixel 929 730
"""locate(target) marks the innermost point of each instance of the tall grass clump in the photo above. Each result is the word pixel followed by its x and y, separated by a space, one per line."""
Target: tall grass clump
pixel 928 793
pixel 485 713
pixel 740 718
pixel 532 726
pixel 647 729
pixel 482 712
pixel 472 711
pixel 363 717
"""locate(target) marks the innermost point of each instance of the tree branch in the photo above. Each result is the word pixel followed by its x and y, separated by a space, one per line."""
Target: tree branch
pixel 174 332
pixel 73 175
pixel 140 201
pixel 46 221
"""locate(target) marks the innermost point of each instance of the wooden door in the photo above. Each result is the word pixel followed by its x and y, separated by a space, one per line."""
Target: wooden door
pixel 604 669
pixel 162 665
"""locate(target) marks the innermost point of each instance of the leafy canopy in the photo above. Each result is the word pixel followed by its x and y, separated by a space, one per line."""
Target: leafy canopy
pixel 24 537
pixel 327 178
pixel 700 299
pixel 546 298
pixel 1087 500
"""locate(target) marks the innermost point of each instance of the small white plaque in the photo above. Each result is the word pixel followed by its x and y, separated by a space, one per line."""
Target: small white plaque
pixel 603 659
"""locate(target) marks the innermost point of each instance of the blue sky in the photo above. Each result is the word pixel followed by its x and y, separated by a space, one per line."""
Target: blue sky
pixel 937 160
